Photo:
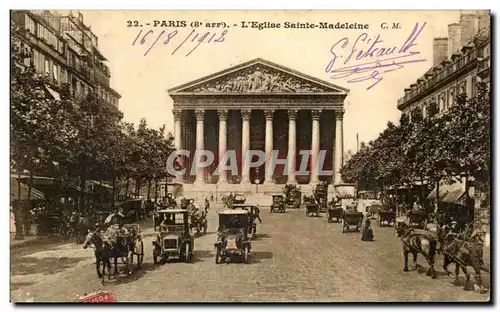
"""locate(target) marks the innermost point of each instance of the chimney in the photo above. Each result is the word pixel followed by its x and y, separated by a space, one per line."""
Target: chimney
pixel 469 26
pixel 454 41
pixel 440 50
pixel 484 19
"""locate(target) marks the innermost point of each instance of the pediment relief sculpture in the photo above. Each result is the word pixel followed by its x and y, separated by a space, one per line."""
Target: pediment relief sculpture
pixel 259 79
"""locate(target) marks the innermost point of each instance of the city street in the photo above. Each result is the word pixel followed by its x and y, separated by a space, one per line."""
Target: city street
pixel 294 258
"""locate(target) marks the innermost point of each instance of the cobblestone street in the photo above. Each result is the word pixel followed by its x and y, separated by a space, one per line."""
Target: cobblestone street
pixel 294 258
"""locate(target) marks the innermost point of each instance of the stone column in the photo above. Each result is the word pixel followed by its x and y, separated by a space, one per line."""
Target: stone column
pixel 315 146
pixel 339 146
pixel 245 144
pixel 222 142
pixel 200 138
pixel 292 145
pixel 269 113
pixel 178 136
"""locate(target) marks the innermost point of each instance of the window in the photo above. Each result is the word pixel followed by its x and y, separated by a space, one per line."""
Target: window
pixel 451 97
pixel 46 67
pixel 463 87
pixel 29 24
pixel 63 76
pixel 441 103
pixel 55 72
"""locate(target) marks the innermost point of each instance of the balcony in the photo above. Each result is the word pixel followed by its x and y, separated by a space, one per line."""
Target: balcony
pixel 483 67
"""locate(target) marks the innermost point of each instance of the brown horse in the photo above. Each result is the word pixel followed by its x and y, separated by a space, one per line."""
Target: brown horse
pixel 415 242
pixel 464 253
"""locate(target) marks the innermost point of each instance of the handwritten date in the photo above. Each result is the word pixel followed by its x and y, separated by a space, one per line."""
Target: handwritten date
pixel 374 58
pixel 174 38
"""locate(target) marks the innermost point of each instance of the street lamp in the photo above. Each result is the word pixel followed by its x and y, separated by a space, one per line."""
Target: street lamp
pixel 257 181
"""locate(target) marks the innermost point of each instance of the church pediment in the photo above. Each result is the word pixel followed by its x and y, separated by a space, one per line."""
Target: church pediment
pixel 258 76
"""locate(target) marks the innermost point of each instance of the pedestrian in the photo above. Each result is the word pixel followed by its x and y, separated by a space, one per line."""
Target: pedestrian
pixel 367 232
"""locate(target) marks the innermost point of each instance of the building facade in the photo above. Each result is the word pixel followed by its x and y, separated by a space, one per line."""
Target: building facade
pixel 259 106
pixel 65 49
pixel 460 62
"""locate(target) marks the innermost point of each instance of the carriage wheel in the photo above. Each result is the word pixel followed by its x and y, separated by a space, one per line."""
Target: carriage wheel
pixel 217 255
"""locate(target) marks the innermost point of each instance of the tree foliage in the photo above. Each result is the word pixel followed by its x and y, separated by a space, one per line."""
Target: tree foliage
pixel 453 144
pixel 76 138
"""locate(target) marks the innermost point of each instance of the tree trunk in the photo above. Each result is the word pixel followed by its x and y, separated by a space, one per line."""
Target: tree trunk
pixel 81 198
pixel 18 218
pixel 126 188
pixel 149 189
pixel 437 195
pixel 27 207
pixel 468 202
pixel 156 190
pixel 114 191
pixel 137 186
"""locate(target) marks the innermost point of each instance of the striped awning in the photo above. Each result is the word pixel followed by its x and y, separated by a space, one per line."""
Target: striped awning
pixel 449 193
pixel 14 192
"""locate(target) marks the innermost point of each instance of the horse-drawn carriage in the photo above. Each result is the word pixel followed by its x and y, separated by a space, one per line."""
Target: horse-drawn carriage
pixel 278 204
pixel 253 214
pixel 351 219
pixel 232 238
pixel 385 216
pixel 137 249
pixel 292 196
pixel 417 219
pixel 52 226
pixel 174 239
pixel 334 212
pixel 199 222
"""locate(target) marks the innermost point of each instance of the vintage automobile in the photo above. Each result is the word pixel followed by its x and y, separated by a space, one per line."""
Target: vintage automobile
pixel 351 219
pixel 417 219
pixel 292 196
pixel 173 239
pixel 312 207
pixel 335 212
pixel 385 216
pixel 232 238
pixel 137 243
pixel 253 214
pixel 278 204
pixel 239 199
pixel 133 210
pixel 321 196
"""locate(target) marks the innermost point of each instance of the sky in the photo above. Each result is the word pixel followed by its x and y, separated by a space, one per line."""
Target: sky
pixel 143 81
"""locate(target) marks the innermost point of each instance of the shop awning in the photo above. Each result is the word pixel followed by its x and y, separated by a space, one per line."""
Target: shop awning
pixel 101 184
pixel 14 192
pixel 54 93
pixel 449 193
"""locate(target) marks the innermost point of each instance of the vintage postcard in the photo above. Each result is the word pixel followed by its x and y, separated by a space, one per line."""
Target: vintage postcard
pixel 250 156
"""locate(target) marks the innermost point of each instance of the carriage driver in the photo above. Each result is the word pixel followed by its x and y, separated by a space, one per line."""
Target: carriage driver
pixel 116 232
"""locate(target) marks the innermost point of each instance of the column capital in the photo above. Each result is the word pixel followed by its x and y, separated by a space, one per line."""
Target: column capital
pixel 269 113
pixel 316 114
pixel 339 114
pixel 246 114
pixel 222 113
pixel 200 114
pixel 177 114
pixel 292 114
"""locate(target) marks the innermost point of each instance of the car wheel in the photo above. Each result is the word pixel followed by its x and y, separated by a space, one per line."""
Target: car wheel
pixel 217 255
pixel 187 253
pixel 246 255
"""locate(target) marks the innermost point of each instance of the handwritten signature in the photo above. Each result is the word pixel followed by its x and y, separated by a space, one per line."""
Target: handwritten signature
pixel 151 39
pixel 366 49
